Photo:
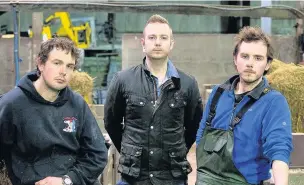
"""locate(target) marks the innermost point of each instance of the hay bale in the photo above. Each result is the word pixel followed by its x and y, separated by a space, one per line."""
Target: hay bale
pixel 4 180
pixel 83 83
pixel 277 64
pixel 289 80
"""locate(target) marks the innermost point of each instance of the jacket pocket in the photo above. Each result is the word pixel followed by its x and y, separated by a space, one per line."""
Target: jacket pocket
pixel 130 160
pixel 135 106
pixel 62 163
pixel 177 108
pixel 180 167
pixel 135 101
pixel 35 171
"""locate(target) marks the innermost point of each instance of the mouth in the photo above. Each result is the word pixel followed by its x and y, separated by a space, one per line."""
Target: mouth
pixel 60 80
pixel 249 71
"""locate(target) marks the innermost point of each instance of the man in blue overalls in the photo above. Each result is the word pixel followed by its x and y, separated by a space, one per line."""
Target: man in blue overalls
pixel 246 127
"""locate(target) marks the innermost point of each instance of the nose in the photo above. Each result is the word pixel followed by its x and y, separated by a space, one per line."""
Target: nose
pixel 63 70
pixel 157 41
pixel 250 62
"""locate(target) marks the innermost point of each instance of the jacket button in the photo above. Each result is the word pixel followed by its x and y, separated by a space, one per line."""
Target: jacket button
pixel 152 102
pixel 141 103
pixel 137 152
pixel 151 152
pixel 172 104
pixel 172 153
pixel 151 175
pixel 151 127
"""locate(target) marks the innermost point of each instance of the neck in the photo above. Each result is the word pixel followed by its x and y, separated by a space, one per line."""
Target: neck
pixel 243 87
pixel 158 68
pixel 44 91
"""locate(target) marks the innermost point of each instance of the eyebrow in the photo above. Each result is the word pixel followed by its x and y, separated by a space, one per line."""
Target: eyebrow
pixel 57 60
pixel 257 55
pixel 61 61
pixel 160 35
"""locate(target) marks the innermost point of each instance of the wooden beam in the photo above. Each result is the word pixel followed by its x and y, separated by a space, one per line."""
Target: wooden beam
pixel 37 23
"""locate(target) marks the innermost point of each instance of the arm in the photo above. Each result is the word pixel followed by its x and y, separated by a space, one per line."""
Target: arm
pixel 202 125
pixel 277 138
pixel 193 115
pixel 92 156
pixel 113 112
pixel 7 128
pixel 280 172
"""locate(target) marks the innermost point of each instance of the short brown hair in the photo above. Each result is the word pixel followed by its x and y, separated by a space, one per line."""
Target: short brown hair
pixel 253 34
pixel 157 19
pixel 62 43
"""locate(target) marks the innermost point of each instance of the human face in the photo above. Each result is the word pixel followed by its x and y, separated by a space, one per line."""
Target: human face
pixel 251 61
pixel 56 72
pixel 157 42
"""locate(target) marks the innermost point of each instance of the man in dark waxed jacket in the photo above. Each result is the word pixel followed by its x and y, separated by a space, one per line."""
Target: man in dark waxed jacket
pixel 160 108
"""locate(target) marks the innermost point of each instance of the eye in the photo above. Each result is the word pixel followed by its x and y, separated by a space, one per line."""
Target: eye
pixel 244 56
pixel 71 67
pixel 259 58
pixel 164 37
pixel 151 37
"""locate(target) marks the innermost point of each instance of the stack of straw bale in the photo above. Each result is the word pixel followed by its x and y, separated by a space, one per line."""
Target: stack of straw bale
pixel 289 80
pixel 83 83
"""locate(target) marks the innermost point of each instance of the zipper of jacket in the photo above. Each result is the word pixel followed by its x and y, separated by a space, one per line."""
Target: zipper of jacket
pixel 155 91
pixel 165 85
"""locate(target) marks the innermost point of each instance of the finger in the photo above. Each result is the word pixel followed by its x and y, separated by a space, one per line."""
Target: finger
pixel 41 182
pixel 38 183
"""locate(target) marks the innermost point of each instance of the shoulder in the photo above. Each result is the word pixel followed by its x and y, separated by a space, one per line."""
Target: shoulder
pixel 76 99
pixel 276 97
pixel 129 71
pixel 14 95
pixel 185 76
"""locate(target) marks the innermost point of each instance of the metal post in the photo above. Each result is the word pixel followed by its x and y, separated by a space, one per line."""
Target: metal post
pixel 16 42
pixel 299 34
pixel 266 21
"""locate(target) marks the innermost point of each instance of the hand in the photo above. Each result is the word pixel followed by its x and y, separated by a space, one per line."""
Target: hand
pixel 107 138
pixel 50 181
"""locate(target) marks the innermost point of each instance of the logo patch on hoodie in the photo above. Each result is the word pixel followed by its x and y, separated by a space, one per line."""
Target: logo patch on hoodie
pixel 70 124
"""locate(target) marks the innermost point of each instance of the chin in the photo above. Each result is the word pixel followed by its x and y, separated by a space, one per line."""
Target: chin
pixel 250 80
pixel 157 57
pixel 59 88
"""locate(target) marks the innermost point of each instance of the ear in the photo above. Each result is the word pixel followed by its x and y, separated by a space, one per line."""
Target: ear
pixel 142 41
pixel 171 44
pixel 267 66
pixel 234 60
pixel 40 65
